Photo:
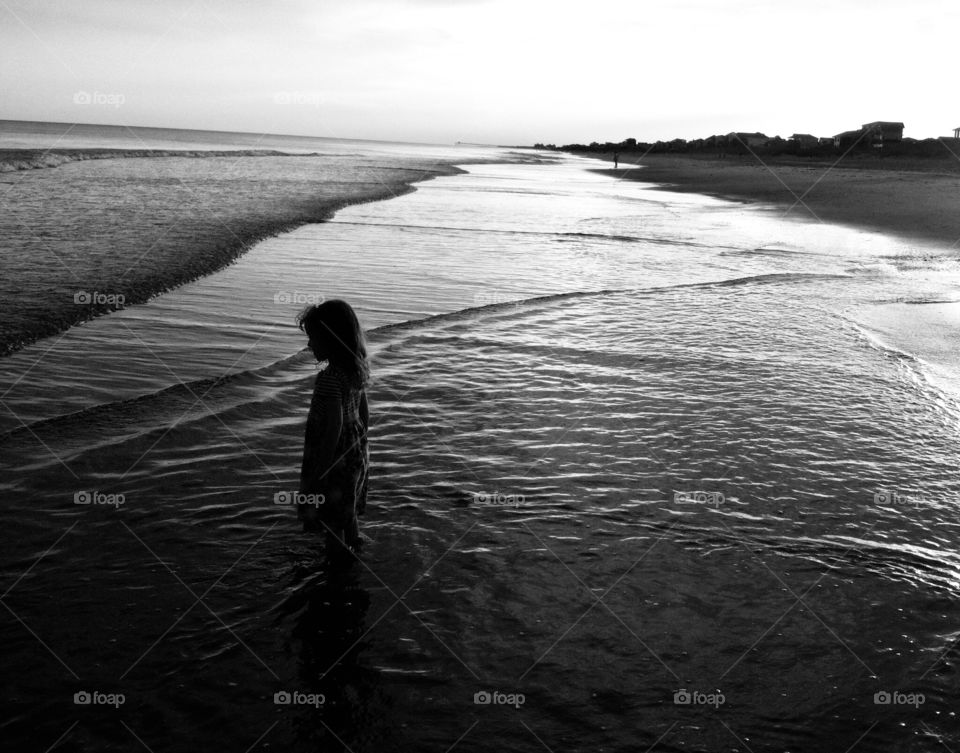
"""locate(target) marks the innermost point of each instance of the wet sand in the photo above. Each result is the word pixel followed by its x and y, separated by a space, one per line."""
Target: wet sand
pixel 912 198
pixel 126 229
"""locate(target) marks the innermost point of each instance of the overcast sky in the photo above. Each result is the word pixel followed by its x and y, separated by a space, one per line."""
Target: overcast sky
pixel 488 71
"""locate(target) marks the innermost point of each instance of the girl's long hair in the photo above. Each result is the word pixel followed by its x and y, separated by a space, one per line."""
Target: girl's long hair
pixel 336 325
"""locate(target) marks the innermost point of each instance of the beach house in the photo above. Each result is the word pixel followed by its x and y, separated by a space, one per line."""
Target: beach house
pixel 882 132
pixel 846 139
pixel 804 140
pixel 874 134
pixel 956 133
pixel 748 139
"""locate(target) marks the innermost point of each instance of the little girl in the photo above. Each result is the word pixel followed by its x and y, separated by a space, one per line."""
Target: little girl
pixel 335 454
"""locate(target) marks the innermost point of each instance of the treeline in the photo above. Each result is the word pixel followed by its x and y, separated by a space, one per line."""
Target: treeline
pixel 743 144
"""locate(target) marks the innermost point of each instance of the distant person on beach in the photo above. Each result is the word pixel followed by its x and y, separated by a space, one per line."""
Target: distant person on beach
pixel 616 160
pixel 335 454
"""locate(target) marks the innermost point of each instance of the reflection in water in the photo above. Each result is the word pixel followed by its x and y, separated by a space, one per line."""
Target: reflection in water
pixel 329 636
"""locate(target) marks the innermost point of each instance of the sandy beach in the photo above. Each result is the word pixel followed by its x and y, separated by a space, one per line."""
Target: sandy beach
pixel 910 198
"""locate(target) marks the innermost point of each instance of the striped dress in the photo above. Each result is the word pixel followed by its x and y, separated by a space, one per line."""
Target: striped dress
pixel 351 457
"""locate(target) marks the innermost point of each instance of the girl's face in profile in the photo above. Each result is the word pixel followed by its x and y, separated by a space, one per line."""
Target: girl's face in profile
pixel 319 348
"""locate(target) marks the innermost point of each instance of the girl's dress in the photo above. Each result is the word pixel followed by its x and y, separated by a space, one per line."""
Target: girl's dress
pixel 351 458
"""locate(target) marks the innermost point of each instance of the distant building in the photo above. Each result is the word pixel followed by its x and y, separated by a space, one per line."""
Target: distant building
pixel 874 134
pixel 750 139
pixel 805 140
pixel 956 133
pixel 846 139
pixel 883 132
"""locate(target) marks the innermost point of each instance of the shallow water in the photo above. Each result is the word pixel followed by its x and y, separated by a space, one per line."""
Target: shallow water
pixel 556 357
pixel 89 237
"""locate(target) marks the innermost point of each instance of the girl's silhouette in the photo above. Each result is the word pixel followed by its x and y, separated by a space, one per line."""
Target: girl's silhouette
pixel 335 454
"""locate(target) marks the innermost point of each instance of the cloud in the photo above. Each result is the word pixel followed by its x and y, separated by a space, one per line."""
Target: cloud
pixel 488 69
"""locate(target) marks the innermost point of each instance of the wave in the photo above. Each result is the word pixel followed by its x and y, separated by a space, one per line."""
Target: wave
pixel 922 373
pixel 12 160
pixel 784 252
pixel 152 411
pixel 117 422
pixel 379 333
pixel 560 236
pixel 920 300
pixel 894 560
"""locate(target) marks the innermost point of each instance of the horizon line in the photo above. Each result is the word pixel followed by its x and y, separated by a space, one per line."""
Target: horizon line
pixel 240 133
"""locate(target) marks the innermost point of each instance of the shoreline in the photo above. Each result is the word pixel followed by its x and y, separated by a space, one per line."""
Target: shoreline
pixel 888 197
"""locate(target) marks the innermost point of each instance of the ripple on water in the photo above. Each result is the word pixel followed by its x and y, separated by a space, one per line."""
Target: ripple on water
pixel 798 593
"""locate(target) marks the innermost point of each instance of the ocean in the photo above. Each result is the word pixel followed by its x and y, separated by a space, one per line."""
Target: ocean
pixel 649 470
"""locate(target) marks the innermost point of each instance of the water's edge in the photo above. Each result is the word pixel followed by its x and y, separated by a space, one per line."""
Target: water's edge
pixel 238 239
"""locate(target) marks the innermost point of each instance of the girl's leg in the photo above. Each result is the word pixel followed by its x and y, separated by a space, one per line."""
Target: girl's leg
pixel 352 533
pixel 353 507
pixel 343 533
pixel 310 517
pixel 335 542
